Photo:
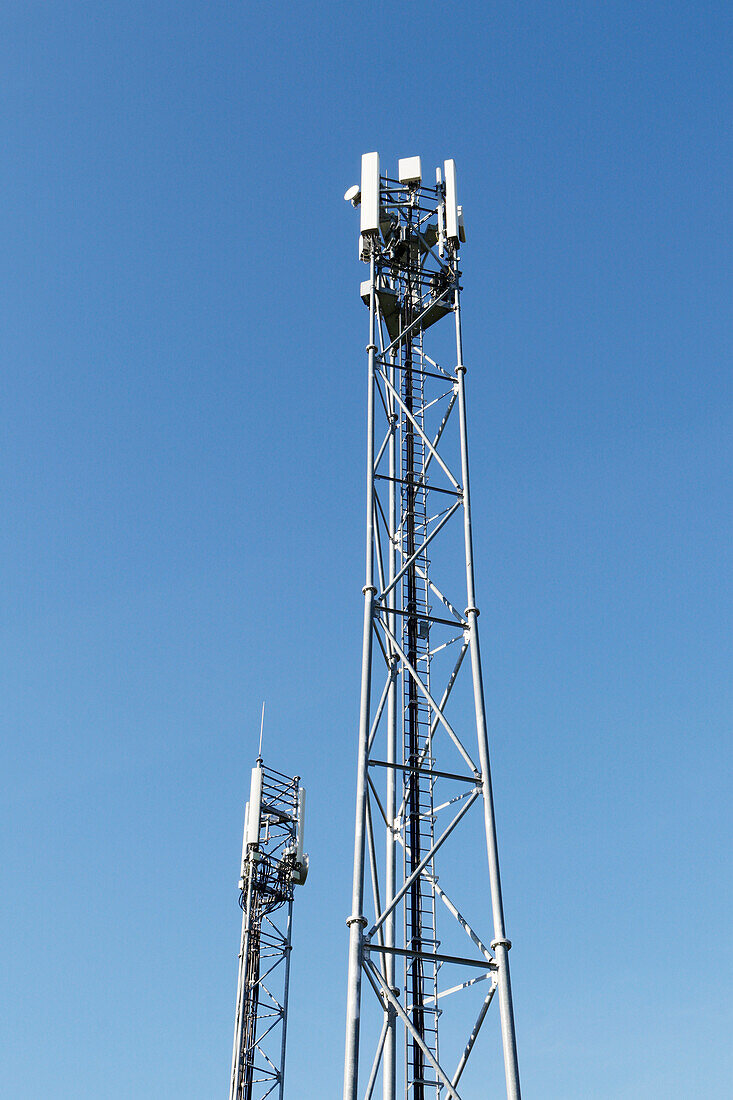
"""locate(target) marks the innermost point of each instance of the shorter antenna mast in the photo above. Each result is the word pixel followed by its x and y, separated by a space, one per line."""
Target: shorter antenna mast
pixel 273 864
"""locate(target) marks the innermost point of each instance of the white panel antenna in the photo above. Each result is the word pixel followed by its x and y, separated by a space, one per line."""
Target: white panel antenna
pixel 451 202
pixel 409 170
pixel 255 808
pixel 441 215
pixel 370 193
pixel 301 825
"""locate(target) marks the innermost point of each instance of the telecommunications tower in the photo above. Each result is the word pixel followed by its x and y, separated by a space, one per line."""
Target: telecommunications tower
pixel 273 863
pixel 423 756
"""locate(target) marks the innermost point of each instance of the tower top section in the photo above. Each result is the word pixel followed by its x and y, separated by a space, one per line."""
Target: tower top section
pixel 434 212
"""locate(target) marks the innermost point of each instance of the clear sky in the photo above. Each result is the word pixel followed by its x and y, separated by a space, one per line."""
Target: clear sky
pixel 182 432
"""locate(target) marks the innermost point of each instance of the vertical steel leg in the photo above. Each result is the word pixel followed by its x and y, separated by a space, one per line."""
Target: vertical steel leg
pixel 286 994
pixel 500 944
pixel 357 921
pixel 389 1057
pixel 236 1075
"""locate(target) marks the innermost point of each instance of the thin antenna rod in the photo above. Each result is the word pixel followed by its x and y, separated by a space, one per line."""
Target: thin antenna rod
pixel 262 728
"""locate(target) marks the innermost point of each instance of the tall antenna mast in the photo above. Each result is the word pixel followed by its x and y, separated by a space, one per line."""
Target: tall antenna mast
pixel 421 722
pixel 273 863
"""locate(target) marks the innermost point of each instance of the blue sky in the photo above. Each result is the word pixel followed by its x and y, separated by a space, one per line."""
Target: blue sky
pixel 182 433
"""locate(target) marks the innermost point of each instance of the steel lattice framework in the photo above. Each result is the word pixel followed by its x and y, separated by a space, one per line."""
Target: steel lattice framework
pixel 272 864
pixel 417 777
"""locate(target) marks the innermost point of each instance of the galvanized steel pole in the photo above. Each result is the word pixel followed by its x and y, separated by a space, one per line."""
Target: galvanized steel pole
pixel 500 944
pixel 236 1074
pixel 286 997
pixel 357 920
pixel 389 1055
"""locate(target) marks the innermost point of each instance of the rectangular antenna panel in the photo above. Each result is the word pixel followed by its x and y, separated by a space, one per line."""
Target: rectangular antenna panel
pixel 451 201
pixel 370 193
pixel 255 807
pixel 301 825
pixel 410 170
pixel 441 215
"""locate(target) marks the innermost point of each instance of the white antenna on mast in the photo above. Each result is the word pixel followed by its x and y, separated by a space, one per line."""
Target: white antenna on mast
pixel 262 727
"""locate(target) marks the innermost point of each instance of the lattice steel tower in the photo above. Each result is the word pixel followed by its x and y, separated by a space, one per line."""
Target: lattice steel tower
pixel 420 720
pixel 273 863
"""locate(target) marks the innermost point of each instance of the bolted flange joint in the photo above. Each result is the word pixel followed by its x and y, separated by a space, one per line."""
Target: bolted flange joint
pixel 368 588
pixel 357 920
pixel 371 347
pixel 472 610
pixel 500 943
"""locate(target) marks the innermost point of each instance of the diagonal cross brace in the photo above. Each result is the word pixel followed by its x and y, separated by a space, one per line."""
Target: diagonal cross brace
pixel 390 998
pixel 474 1034
pixel 438 712
pixel 411 417
pixel 423 546
pixel 422 865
